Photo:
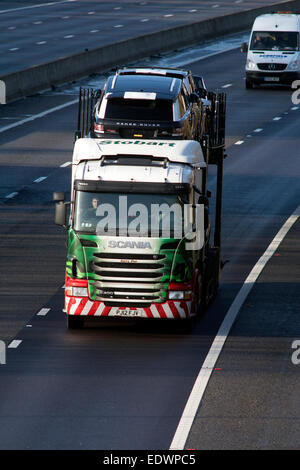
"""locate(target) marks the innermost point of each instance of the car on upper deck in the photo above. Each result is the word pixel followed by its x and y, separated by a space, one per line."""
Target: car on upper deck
pixel 135 104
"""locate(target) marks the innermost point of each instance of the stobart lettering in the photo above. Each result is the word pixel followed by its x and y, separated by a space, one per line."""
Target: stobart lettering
pixel 136 142
pixel 129 244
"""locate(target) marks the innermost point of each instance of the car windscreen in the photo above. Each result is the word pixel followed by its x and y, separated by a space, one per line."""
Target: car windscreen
pixel 139 109
pixel 132 214
pixel 275 41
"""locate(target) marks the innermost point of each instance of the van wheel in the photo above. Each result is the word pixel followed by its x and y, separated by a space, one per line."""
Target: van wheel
pixel 74 322
pixel 248 84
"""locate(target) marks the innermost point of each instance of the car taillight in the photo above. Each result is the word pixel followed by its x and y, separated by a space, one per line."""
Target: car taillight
pixel 99 128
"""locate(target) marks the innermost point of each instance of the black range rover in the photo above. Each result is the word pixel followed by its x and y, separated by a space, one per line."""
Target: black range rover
pixel 147 106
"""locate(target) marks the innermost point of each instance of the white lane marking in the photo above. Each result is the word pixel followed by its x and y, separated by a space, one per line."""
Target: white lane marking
pixel 40 179
pixel 69 36
pixel 11 27
pixel 11 195
pixel 209 363
pixel 14 49
pixel 41 42
pixel 15 343
pixel 37 22
pixel 144 20
pixel 118 26
pixel 63 165
pixel 227 85
pixel 192 11
pixel 258 130
pixel 91 12
pixel 215 6
pixel 277 118
pixel 37 116
pixel 36 6
pixel 65 17
pixel 168 16
pixel 94 31
pixel 43 312
pixel 239 142
pixel 294 108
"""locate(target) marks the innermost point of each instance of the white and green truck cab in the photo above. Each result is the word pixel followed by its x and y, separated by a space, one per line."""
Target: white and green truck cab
pixel 139 230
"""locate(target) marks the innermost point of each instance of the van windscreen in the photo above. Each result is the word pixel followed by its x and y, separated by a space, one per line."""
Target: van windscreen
pixel 274 41
pixel 139 109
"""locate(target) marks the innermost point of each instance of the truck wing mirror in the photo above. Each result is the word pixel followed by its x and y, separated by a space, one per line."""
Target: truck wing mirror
pixel 60 217
pixel 59 196
pixel 244 47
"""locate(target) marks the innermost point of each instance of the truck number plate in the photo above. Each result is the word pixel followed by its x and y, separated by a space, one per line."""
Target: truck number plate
pixel 271 79
pixel 128 312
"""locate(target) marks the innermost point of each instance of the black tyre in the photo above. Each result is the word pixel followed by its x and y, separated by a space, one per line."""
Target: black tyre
pixel 248 84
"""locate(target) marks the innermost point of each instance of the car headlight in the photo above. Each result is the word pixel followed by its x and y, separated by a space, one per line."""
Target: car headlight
pixel 294 65
pixel 250 65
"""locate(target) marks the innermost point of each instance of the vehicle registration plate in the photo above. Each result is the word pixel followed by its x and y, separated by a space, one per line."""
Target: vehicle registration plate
pixel 271 79
pixel 129 312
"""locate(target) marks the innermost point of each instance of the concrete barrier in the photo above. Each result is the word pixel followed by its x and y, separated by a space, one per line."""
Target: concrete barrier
pixel 46 76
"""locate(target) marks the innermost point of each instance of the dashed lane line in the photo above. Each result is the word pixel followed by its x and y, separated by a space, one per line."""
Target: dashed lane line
pixel 11 195
pixel 40 179
pixel 43 312
pixel 14 343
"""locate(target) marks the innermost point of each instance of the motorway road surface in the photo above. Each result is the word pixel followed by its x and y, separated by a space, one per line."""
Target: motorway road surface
pixel 124 385
pixel 35 32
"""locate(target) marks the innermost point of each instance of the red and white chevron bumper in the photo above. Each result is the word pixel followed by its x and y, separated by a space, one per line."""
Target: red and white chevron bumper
pixel 86 307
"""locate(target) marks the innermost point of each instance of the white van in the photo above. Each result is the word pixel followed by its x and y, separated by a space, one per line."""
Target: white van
pixel 273 50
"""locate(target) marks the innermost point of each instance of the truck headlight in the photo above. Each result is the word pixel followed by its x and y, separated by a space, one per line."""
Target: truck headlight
pixel 180 295
pixel 73 291
pixel 250 65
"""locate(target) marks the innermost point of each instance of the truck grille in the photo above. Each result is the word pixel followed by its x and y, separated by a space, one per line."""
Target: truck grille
pixel 271 66
pixel 128 279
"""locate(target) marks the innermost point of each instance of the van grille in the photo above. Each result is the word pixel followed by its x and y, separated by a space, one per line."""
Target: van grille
pixel 271 66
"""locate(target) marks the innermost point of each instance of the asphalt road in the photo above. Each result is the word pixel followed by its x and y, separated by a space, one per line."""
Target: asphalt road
pixel 122 385
pixel 35 32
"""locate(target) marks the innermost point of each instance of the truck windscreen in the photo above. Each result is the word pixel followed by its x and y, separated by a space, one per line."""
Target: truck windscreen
pixel 274 41
pixel 111 214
